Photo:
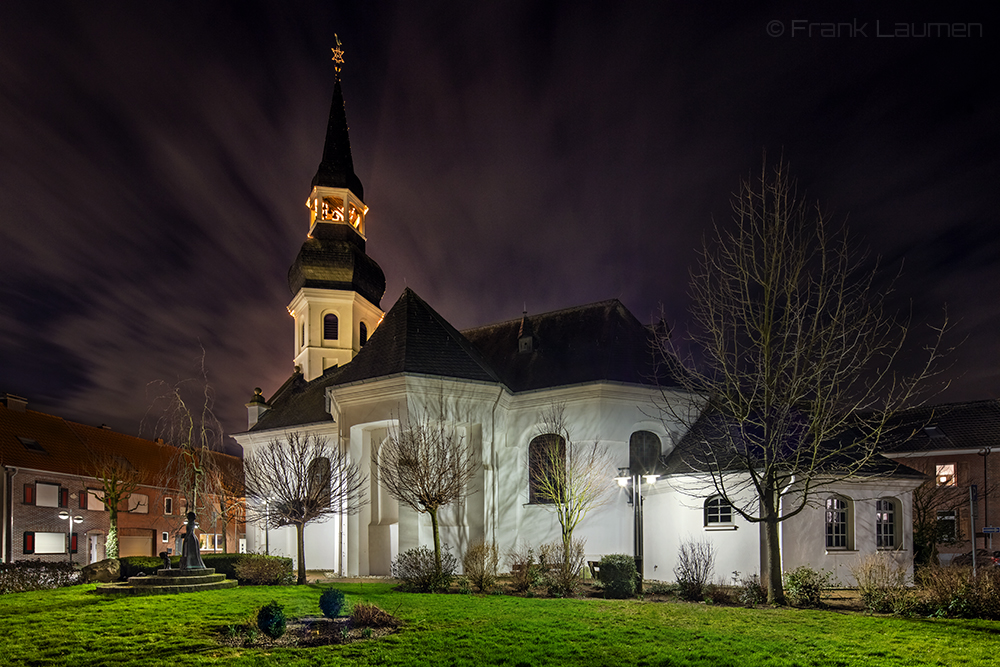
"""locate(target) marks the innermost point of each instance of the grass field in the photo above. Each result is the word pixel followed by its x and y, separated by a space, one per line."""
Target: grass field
pixel 73 626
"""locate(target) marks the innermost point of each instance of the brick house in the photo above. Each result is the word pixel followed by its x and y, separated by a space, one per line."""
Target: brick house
pixel 957 446
pixel 48 468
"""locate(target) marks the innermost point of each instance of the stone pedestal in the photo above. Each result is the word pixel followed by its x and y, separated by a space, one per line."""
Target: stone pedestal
pixel 170 581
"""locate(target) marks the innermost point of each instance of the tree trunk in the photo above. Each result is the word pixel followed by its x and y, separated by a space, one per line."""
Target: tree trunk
pixel 301 548
pixel 775 589
pixel 437 539
pixel 111 545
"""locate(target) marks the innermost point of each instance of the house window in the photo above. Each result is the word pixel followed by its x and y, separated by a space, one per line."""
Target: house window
pixel 138 503
pixel 47 495
pixel 210 542
pixel 947 526
pixel 331 327
pixel 95 500
pixel 44 543
pixel 945 475
pixel 718 511
pixel 546 468
pixel 302 333
pixel 838 511
pixel 643 453
pixel 168 505
pixel 885 524
pixel 362 334
pixel 165 537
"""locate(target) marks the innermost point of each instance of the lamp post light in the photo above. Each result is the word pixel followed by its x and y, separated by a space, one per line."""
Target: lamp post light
pixel 633 481
pixel 66 516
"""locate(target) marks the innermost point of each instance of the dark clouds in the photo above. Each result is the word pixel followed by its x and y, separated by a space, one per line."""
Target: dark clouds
pixel 154 161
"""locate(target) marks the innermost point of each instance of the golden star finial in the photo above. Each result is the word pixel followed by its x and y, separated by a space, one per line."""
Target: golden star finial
pixel 338 54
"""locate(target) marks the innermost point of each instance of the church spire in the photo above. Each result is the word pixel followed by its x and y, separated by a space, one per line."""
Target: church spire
pixel 336 170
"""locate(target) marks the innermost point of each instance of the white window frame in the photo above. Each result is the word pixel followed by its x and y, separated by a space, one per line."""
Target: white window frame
pixel 839 512
pixel 887 524
pixel 716 509
pixel 47 495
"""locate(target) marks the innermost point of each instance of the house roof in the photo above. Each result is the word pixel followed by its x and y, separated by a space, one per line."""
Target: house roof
pixel 972 425
pixel 60 446
pixel 297 403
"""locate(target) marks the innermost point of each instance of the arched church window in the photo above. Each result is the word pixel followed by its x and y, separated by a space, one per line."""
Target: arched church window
pixel 331 327
pixel 319 482
pixel 546 468
pixel 643 453
pixel 363 334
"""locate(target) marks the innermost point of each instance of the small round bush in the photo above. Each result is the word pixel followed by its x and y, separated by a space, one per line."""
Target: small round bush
pixel 271 620
pixel 617 574
pixel 331 602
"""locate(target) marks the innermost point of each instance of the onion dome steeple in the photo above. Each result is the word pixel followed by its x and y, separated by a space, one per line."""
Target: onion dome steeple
pixel 337 287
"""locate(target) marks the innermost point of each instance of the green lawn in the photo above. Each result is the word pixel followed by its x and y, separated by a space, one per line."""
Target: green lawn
pixel 75 627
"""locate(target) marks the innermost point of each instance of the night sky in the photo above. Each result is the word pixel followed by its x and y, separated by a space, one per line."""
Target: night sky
pixel 155 159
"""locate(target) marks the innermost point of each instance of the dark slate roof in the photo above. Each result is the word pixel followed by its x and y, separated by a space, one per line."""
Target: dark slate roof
pixel 297 402
pixel 691 453
pixel 335 259
pixel 599 341
pixel 414 338
pixel 974 425
pixel 336 170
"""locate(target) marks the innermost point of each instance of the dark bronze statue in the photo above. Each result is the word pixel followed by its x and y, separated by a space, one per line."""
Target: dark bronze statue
pixel 166 560
pixel 191 552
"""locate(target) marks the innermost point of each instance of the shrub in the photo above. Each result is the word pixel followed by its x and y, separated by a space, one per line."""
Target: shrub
pixel 617 574
pixel 331 602
pixel 562 576
pixel 222 563
pixel 34 575
pixel 804 586
pixel 718 594
pixel 365 615
pixel 261 570
pixel 882 583
pixel 480 564
pixel 955 593
pixel 134 566
pixel 271 620
pixel 418 572
pixel 659 588
pixel 695 561
pixel 750 592
pixel 525 571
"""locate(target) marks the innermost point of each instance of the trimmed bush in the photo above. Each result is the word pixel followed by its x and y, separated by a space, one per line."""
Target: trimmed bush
pixel 261 570
pixel 331 602
pixel 618 576
pixel 271 619
pixel 695 561
pixel 480 564
pixel 804 586
pixel 35 575
pixel 418 572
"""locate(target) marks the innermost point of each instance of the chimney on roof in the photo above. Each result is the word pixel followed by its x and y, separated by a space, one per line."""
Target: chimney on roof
pixel 525 339
pixel 256 407
pixel 106 427
pixel 15 403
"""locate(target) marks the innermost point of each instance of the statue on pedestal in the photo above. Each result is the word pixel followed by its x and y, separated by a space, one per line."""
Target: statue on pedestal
pixel 191 552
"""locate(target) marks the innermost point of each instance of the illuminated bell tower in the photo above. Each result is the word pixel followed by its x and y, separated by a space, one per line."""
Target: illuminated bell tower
pixel 336 286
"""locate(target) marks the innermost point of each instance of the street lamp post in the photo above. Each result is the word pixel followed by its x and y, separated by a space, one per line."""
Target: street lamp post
pixel 633 481
pixel 66 516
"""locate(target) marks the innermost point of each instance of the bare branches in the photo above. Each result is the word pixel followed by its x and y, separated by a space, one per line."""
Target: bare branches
pixel 567 477
pixel 796 357
pixel 119 479
pixel 298 480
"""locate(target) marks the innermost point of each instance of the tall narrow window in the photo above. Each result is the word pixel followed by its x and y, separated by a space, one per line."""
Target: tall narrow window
pixel 319 482
pixel 331 327
pixel 363 334
pixel 643 453
pixel 837 523
pixel 718 511
pixel 546 468
pixel 168 505
pixel 885 523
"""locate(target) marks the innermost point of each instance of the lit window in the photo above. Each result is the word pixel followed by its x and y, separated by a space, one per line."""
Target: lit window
pixel 718 511
pixel 546 468
pixel 885 524
pixel 95 500
pixel 46 495
pixel 165 537
pixel 331 327
pixel 168 505
pixel 138 503
pixel 947 526
pixel 210 542
pixel 643 453
pixel 838 512
pixel 945 475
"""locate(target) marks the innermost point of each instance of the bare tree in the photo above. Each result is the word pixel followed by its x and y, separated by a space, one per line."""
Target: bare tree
pixel 231 498
pixel 298 480
pixel 119 479
pixel 426 464
pixel 791 341
pixel 569 478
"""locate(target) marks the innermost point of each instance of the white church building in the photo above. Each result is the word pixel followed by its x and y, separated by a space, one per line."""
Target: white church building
pixel 359 372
